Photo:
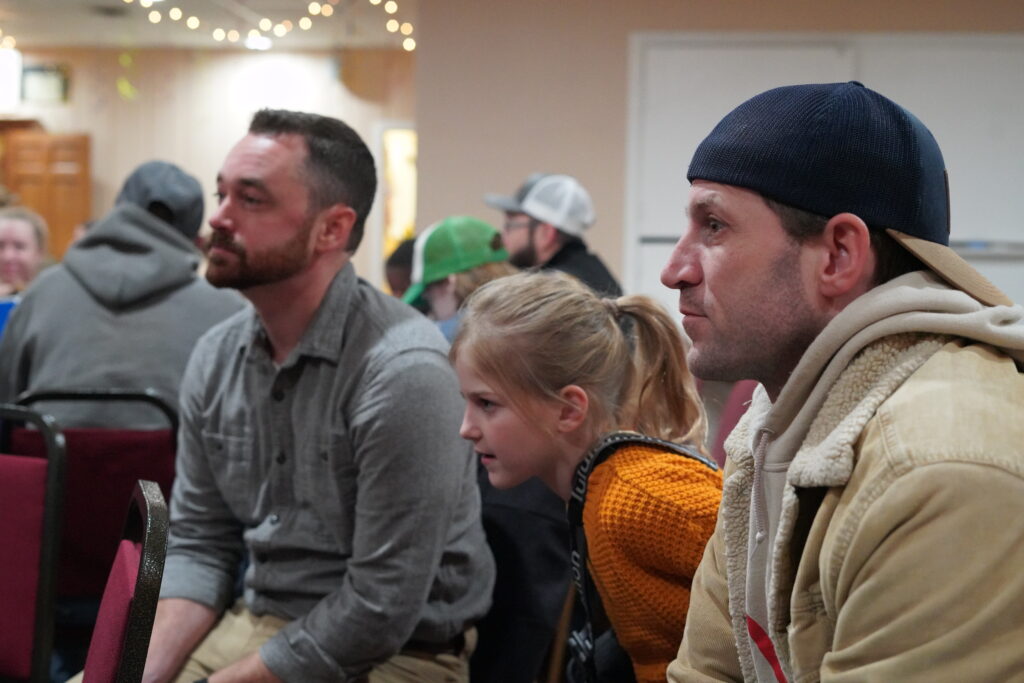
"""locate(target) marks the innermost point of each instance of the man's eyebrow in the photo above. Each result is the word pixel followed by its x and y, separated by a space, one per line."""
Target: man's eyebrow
pixel 254 183
pixel 705 203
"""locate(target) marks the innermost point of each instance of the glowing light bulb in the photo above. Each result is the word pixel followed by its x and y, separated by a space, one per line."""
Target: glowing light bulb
pixel 392 25
pixel 408 44
pixel 174 14
pixel 154 17
pixel 192 22
pixel 280 30
pixel 326 10
pixel 233 36
pixel 218 34
pixel 374 2
pixel 406 29
pixel 314 8
pixel 391 6
pixel 305 23
pixel 265 24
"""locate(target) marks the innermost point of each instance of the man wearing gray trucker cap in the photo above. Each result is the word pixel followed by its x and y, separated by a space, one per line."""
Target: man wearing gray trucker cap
pixel 544 224
pixel 869 526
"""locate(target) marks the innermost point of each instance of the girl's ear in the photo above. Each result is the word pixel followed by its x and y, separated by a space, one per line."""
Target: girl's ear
pixel 573 410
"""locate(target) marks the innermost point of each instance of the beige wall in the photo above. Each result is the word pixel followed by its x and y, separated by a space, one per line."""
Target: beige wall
pixel 507 88
pixel 189 106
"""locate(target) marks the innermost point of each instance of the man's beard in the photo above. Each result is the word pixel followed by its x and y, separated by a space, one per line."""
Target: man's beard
pixel 526 257
pixel 259 268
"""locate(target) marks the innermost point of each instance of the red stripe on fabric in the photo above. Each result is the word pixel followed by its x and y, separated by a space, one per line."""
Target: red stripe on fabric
pixel 764 644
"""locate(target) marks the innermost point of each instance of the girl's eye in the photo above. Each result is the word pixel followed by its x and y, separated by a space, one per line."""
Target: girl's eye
pixel 485 404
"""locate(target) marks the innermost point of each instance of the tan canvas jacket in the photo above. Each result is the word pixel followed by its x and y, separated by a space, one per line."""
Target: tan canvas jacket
pixel 887 565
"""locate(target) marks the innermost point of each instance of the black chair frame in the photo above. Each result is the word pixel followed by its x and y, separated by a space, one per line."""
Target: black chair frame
pixel 148 395
pixel 146 524
pixel 53 516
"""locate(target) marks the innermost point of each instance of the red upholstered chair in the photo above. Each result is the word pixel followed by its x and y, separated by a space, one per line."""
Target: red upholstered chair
pixel 108 461
pixel 120 641
pixel 31 499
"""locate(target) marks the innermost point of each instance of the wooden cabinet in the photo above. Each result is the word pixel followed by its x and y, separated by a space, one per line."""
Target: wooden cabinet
pixel 51 175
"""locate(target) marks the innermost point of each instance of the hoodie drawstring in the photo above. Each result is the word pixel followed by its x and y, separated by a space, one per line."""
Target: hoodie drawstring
pixel 760 509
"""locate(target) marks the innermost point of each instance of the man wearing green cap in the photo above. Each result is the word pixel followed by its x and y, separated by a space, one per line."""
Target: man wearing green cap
pixel 450 260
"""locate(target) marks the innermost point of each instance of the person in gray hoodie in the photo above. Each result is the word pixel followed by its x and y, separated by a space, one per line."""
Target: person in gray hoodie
pixel 868 529
pixel 123 310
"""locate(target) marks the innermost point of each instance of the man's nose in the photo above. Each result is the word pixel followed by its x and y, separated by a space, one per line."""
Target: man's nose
pixel 682 269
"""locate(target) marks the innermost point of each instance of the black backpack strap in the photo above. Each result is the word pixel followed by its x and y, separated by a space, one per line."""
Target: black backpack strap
pixel 581 641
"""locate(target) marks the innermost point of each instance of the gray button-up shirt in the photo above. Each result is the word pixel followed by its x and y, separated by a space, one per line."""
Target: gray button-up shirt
pixel 342 475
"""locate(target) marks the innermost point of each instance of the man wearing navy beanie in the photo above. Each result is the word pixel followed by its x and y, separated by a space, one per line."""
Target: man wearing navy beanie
pixel 869 526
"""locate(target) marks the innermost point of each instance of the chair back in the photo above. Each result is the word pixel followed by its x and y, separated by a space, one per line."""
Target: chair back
pixel 120 641
pixel 31 500
pixel 103 467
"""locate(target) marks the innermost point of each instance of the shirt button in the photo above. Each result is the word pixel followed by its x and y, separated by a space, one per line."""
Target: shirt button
pixel 274 519
pixel 278 394
pixel 280 458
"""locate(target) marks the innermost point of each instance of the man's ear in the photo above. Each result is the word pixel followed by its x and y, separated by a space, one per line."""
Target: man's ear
pixel 574 408
pixel 847 265
pixel 336 222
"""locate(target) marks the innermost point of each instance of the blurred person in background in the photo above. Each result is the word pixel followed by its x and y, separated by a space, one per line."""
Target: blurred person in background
pixel 450 260
pixel 23 236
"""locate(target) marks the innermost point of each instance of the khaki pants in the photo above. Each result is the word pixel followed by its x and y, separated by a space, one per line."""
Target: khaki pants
pixel 240 633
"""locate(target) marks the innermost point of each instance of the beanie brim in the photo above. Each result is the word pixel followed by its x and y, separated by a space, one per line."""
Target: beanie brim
pixel 952 268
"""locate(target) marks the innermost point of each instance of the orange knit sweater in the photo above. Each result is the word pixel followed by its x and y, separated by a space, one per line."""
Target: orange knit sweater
pixel 647 517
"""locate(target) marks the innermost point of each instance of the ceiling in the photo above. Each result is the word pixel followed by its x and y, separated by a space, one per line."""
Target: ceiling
pixel 117 23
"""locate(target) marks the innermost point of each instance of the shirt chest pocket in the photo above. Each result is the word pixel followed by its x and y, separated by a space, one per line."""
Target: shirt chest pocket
pixel 233 464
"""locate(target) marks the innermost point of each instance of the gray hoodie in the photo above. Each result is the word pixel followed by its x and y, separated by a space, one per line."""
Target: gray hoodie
pixel 123 310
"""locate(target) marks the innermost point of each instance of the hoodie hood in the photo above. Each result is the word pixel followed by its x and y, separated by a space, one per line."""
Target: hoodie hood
pixel 130 256
pixel 915 302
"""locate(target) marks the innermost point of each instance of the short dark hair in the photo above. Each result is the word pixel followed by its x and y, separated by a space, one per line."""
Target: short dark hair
pixel 892 260
pixel 339 166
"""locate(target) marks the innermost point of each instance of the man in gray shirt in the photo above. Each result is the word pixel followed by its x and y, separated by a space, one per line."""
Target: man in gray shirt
pixel 320 442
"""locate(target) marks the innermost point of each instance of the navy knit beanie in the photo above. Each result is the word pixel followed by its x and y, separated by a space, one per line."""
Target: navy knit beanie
pixel 831 148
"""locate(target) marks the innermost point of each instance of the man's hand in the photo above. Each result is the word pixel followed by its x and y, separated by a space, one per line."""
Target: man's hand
pixel 250 669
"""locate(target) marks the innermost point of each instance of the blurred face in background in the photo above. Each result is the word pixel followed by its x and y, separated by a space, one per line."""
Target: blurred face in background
pixel 21 255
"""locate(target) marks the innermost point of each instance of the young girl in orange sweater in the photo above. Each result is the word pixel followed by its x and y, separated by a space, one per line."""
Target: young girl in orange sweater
pixel 551 375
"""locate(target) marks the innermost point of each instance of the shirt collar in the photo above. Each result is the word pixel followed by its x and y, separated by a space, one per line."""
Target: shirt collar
pixel 325 334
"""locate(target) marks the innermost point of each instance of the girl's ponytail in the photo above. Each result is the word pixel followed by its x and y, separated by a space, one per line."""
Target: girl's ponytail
pixel 662 399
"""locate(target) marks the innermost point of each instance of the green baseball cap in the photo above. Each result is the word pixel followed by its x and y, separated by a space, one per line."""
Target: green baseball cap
pixel 454 245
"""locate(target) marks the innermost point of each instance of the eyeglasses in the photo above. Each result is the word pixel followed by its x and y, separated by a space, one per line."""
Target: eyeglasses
pixel 519 223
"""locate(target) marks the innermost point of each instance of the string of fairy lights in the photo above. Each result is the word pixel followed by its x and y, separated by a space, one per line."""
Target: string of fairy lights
pixel 259 36
pixel 7 42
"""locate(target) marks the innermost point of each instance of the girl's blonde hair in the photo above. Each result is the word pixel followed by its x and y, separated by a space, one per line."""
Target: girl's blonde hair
pixel 532 334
